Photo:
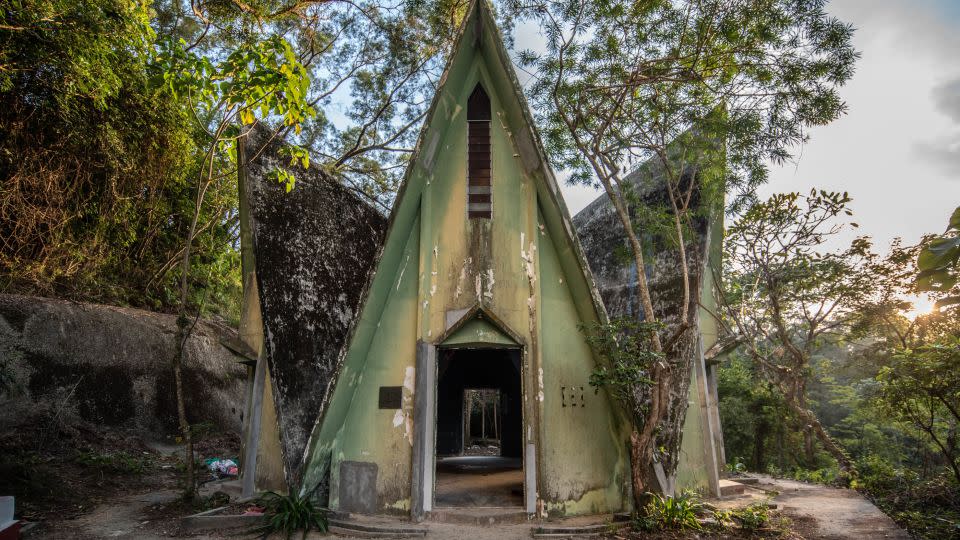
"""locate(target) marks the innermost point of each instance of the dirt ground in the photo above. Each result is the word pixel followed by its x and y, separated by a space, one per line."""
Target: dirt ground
pixel 91 485
pixel 81 482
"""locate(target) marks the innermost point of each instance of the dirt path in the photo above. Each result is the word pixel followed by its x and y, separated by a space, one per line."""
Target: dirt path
pixel 836 513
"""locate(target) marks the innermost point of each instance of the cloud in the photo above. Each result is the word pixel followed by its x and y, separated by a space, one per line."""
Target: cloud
pixel 921 27
pixel 944 152
pixel 946 97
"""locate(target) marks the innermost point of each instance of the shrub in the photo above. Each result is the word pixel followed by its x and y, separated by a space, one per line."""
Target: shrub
pixel 288 514
pixel 753 517
pixel 120 462
pixel 670 513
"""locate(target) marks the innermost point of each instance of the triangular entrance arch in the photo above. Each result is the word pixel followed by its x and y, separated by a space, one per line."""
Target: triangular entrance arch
pixel 479 327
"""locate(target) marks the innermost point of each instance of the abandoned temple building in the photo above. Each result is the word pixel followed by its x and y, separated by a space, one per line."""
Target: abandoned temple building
pixel 371 339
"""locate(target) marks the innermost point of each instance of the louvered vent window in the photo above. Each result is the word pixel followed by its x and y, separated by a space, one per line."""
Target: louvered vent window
pixel 479 202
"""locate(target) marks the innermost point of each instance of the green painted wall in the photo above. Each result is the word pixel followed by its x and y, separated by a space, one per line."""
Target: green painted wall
pixel 585 465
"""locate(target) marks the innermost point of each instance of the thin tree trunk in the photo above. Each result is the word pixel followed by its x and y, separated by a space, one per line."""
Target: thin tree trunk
pixel 759 439
pixel 184 328
pixel 483 419
pixel 468 417
pixel 844 462
pixel 808 448
pixel 641 442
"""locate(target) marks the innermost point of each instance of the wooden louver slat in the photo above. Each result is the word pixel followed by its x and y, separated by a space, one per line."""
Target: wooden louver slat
pixel 479 198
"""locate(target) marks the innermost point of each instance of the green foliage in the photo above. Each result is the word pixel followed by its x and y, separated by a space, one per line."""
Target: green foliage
pixel 376 63
pixel 939 264
pixel 96 162
pixel 753 517
pixel 624 344
pixel 262 77
pixel 621 82
pixel 927 507
pixel 737 466
pixel 110 107
pixel 70 51
pixel 122 462
pixel 287 514
pixel 921 387
pixel 670 513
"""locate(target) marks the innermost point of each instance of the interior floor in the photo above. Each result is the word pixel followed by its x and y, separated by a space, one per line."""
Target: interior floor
pixel 479 481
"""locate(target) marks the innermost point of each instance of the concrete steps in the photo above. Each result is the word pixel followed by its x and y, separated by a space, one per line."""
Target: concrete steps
pixel 578 531
pixel 375 528
pixel 729 488
pixel 479 516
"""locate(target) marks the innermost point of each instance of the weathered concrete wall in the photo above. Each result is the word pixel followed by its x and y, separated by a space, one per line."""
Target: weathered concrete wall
pixel 438 264
pixel 313 250
pixel 111 366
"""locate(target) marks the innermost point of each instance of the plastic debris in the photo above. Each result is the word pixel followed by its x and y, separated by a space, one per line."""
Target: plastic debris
pixel 222 467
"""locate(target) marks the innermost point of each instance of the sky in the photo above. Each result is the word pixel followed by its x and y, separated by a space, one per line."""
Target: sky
pixel 897 150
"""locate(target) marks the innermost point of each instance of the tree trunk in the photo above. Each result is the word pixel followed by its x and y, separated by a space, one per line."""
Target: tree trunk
pixel 759 439
pixel 637 477
pixel 483 419
pixel 844 462
pixel 808 447
pixel 468 417
pixel 189 488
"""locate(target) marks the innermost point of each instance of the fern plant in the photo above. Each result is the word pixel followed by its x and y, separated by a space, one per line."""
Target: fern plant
pixel 288 514
pixel 671 513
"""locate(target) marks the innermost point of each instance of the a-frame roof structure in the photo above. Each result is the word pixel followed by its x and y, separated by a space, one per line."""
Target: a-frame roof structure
pixel 478 35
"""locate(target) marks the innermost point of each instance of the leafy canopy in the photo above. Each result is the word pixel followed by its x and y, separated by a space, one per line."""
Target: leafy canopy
pixel 620 81
pixel 939 264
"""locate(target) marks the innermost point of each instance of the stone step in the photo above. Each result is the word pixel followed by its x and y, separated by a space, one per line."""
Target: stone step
pixel 729 487
pixel 479 516
pixel 599 529
pixel 356 527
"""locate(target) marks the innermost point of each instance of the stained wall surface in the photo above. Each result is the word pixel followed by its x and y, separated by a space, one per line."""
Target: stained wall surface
pixel 313 249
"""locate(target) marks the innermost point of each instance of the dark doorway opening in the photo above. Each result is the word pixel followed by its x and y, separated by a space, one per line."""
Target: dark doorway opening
pixel 479 428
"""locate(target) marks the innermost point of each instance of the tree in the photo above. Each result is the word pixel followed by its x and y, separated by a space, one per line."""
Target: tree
pixel 620 82
pixel 93 160
pixel 783 296
pixel 921 387
pixel 257 79
pixel 377 62
pixel 939 264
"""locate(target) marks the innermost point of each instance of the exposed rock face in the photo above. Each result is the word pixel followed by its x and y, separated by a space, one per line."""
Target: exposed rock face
pixel 112 367
pixel 315 248
pixel 608 252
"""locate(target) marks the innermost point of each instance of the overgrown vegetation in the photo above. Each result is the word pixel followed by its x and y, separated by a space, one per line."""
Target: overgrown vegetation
pixel 105 142
pixel 713 88
pixel 881 385
pixel 670 513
